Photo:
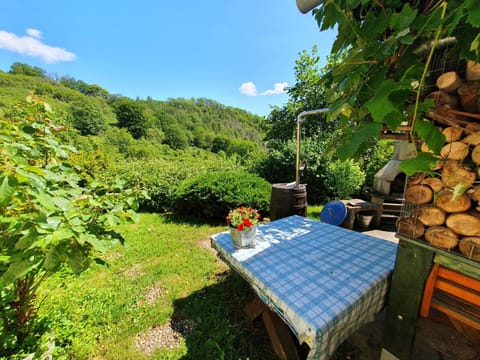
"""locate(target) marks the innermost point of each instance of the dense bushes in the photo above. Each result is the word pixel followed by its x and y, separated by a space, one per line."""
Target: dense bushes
pixel 211 195
pixel 279 167
pixel 345 178
pixel 326 178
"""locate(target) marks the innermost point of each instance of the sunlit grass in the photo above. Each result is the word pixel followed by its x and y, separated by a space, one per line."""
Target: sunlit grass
pixel 166 270
pixel 313 211
pixel 100 313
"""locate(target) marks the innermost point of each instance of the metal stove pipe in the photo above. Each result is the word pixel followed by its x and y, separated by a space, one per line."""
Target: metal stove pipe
pixel 299 121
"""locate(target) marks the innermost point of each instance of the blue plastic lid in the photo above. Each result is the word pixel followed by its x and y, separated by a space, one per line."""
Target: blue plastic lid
pixel 334 212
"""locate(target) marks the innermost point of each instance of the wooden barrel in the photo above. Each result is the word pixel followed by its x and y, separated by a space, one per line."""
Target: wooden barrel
pixel 287 200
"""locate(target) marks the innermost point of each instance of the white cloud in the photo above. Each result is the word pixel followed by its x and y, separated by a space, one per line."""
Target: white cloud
pixel 34 33
pixel 30 45
pixel 248 88
pixel 278 88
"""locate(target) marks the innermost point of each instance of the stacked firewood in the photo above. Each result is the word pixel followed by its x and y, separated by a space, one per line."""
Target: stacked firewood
pixel 444 209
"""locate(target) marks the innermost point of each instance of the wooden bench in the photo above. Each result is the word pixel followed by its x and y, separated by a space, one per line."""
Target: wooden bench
pixel 457 296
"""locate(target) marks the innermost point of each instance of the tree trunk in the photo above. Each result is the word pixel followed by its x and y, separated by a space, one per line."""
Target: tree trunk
pixel 418 194
pixel 476 155
pixel 454 174
pixel 449 82
pixel 456 150
pixel 473 71
pixel 468 93
pixel 464 224
pixel 410 227
pixel 431 216
pixel 442 237
pixel 470 247
pixel 474 193
pixel 453 204
pixel 442 98
pixel 452 133
pixel 472 139
pixel 435 184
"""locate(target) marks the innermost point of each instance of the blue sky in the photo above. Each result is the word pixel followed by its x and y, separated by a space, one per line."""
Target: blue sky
pixel 238 52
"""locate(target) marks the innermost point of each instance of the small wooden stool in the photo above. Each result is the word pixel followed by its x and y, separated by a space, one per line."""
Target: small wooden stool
pixel 355 206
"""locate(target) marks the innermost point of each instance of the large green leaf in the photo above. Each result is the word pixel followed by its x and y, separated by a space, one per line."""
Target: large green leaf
pixel 473 12
pixel 352 143
pixel 46 201
pixel 62 233
pixel 78 258
pixel 424 162
pixel 54 258
pixel 18 269
pixel 430 134
pixel 6 190
pixel 401 21
pixel 380 105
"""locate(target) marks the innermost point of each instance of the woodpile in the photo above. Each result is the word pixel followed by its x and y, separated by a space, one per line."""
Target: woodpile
pixel 444 210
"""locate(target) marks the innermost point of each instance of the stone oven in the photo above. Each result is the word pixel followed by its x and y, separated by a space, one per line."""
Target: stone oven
pixel 389 181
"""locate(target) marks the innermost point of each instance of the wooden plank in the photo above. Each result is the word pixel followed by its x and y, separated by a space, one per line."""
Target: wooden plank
pixel 455 314
pixel 255 308
pixel 280 336
pixel 458 263
pixel 465 308
pixel 428 291
pixel 412 267
pixel 464 113
pixel 459 278
pixel 459 291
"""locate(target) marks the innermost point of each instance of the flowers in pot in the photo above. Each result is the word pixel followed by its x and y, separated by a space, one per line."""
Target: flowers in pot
pixel 242 222
pixel 243 218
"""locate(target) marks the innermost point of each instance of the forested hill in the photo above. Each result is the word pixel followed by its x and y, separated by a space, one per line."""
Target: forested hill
pixel 179 123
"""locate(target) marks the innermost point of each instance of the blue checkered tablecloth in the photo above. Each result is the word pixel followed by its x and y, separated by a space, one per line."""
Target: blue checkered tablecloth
pixel 323 280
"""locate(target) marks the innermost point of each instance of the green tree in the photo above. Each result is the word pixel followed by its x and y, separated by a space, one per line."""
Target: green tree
pixel 175 136
pixel 18 68
pixel 87 118
pixel 220 143
pixel 130 116
pixel 51 217
pixel 243 148
pixel 345 178
pixel 306 94
pixel 382 56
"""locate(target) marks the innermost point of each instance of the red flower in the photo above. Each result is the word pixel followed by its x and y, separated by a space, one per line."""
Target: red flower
pixel 240 227
pixel 247 222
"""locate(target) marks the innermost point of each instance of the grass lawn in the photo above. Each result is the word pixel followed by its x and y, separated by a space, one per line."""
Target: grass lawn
pixel 165 295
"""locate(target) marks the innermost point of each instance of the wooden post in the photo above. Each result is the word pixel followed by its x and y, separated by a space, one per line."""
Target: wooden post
pixel 412 268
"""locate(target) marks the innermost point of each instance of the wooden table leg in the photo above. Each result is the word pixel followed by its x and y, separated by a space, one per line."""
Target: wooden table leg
pixel 282 340
pixel 280 336
pixel 255 308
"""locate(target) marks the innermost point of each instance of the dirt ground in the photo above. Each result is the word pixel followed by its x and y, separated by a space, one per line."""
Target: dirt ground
pixel 435 340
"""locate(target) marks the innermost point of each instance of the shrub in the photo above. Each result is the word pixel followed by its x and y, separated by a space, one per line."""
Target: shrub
pixel 161 176
pixel 279 166
pixel 345 178
pixel 51 217
pixel 376 158
pixel 211 195
pixel 87 118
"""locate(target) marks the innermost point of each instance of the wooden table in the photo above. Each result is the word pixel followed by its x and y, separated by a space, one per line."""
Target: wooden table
pixel 319 281
pixel 358 206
